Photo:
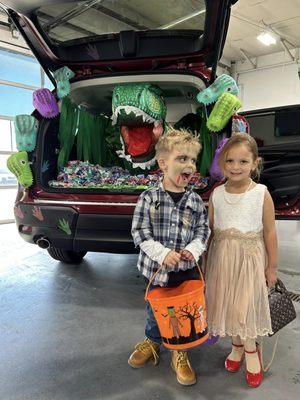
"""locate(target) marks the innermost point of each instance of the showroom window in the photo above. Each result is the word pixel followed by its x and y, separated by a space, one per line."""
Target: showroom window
pixel 20 75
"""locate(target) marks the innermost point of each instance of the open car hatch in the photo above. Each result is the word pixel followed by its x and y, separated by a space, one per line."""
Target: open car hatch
pixel 123 35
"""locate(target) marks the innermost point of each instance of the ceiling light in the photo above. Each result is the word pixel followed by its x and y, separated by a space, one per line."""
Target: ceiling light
pixel 266 38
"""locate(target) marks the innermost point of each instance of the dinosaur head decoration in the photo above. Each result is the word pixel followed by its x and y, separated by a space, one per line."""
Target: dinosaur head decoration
pixel 62 77
pixel 140 111
pixel 223 84
pixel 26 128
pixel 18 164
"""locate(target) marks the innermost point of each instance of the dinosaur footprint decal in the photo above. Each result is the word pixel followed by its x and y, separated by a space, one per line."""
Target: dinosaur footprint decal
pixel 64 226
pixel 36 212
pixel 18 212
pixel 45 166
pixel 93 52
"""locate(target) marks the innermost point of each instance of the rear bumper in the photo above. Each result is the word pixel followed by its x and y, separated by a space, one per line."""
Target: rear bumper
pixel 104 233
pixel 67 229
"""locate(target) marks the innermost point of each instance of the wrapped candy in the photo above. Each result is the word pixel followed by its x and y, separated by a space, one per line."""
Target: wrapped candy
pixel 79 174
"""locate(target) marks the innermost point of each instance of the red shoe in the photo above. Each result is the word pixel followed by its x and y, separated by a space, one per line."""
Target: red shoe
pixel 234 366
pixel 254 379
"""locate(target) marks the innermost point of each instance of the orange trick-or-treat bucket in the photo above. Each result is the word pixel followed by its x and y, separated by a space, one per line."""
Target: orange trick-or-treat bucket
pixel 180 313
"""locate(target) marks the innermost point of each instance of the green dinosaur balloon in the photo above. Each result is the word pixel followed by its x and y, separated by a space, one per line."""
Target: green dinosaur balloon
pixel 223 110
pixel 26 128
pixel 140 111
pixel 62 77
pixel 18 164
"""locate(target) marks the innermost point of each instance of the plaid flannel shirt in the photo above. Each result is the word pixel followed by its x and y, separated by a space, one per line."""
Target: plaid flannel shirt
pixel 175 226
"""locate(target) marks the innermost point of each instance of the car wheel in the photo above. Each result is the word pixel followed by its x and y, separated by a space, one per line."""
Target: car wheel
pixel 66 256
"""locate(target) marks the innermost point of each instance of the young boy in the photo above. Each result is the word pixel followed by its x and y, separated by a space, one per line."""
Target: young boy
pixel 171 228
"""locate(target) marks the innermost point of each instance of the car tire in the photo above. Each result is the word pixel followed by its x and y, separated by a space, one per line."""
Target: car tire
pixel 66 256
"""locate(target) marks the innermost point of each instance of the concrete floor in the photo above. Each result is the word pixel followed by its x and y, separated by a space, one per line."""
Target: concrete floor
pixel 66 332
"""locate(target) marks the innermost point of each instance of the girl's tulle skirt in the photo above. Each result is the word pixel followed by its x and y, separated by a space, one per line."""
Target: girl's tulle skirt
pixel 236 289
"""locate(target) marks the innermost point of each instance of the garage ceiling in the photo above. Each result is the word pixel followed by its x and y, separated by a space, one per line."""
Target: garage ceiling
pixel 249 18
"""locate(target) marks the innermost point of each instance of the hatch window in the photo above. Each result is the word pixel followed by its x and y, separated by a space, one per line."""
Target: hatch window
pixel 66 22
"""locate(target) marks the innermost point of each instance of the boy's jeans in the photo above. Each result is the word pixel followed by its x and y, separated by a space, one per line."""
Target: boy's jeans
pixel 151 330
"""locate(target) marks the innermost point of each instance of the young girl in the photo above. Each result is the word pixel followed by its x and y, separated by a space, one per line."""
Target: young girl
pixel 242 257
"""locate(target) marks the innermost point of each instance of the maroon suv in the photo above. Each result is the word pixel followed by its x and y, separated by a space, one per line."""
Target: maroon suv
pixel 175 45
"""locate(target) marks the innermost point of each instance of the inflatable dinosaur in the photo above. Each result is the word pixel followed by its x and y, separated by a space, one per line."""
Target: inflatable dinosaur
pixel 140 111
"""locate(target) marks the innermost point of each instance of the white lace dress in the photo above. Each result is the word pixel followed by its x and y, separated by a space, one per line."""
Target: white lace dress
pixel 236 290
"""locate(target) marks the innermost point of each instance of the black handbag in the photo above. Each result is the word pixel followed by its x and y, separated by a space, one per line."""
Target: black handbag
pixel 282 309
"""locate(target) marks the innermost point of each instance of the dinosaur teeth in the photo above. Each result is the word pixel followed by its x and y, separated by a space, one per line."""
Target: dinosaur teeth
pixel 127 109
pixel 144 165
pixel 131 109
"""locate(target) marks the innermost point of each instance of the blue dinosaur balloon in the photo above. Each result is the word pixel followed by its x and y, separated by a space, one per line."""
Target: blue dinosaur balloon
pixel 26 128
pixel 62 77
pixel 224 83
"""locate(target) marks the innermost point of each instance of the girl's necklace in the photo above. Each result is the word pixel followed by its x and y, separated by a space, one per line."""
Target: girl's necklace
pixel 242 195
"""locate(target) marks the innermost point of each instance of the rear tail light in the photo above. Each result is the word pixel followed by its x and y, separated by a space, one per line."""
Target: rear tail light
pixel 25 229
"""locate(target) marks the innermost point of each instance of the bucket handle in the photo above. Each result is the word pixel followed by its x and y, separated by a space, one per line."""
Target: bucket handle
pixel 159 269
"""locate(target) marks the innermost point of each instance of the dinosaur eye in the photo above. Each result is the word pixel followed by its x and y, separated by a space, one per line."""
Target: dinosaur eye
pixel 228 89
pixel 23 162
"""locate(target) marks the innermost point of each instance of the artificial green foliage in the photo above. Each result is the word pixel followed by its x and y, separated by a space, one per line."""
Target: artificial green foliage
pixel 87 131
pixel 91 137
pixel 206 155
pixel 67 129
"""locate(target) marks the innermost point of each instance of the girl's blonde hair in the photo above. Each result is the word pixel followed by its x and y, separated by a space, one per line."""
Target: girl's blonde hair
pixel 175 139
pixel 246 140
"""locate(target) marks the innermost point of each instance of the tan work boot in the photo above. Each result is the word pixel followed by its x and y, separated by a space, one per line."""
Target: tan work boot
pixel 180 363
pixel 144 352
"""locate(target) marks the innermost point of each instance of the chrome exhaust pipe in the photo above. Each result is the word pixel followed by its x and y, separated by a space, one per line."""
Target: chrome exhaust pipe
pixel 43 242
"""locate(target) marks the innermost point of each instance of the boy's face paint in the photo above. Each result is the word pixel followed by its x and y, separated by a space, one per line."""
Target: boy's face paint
pixel 178 168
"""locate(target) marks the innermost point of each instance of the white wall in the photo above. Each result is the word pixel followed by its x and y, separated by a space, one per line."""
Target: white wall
pixel 275 82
